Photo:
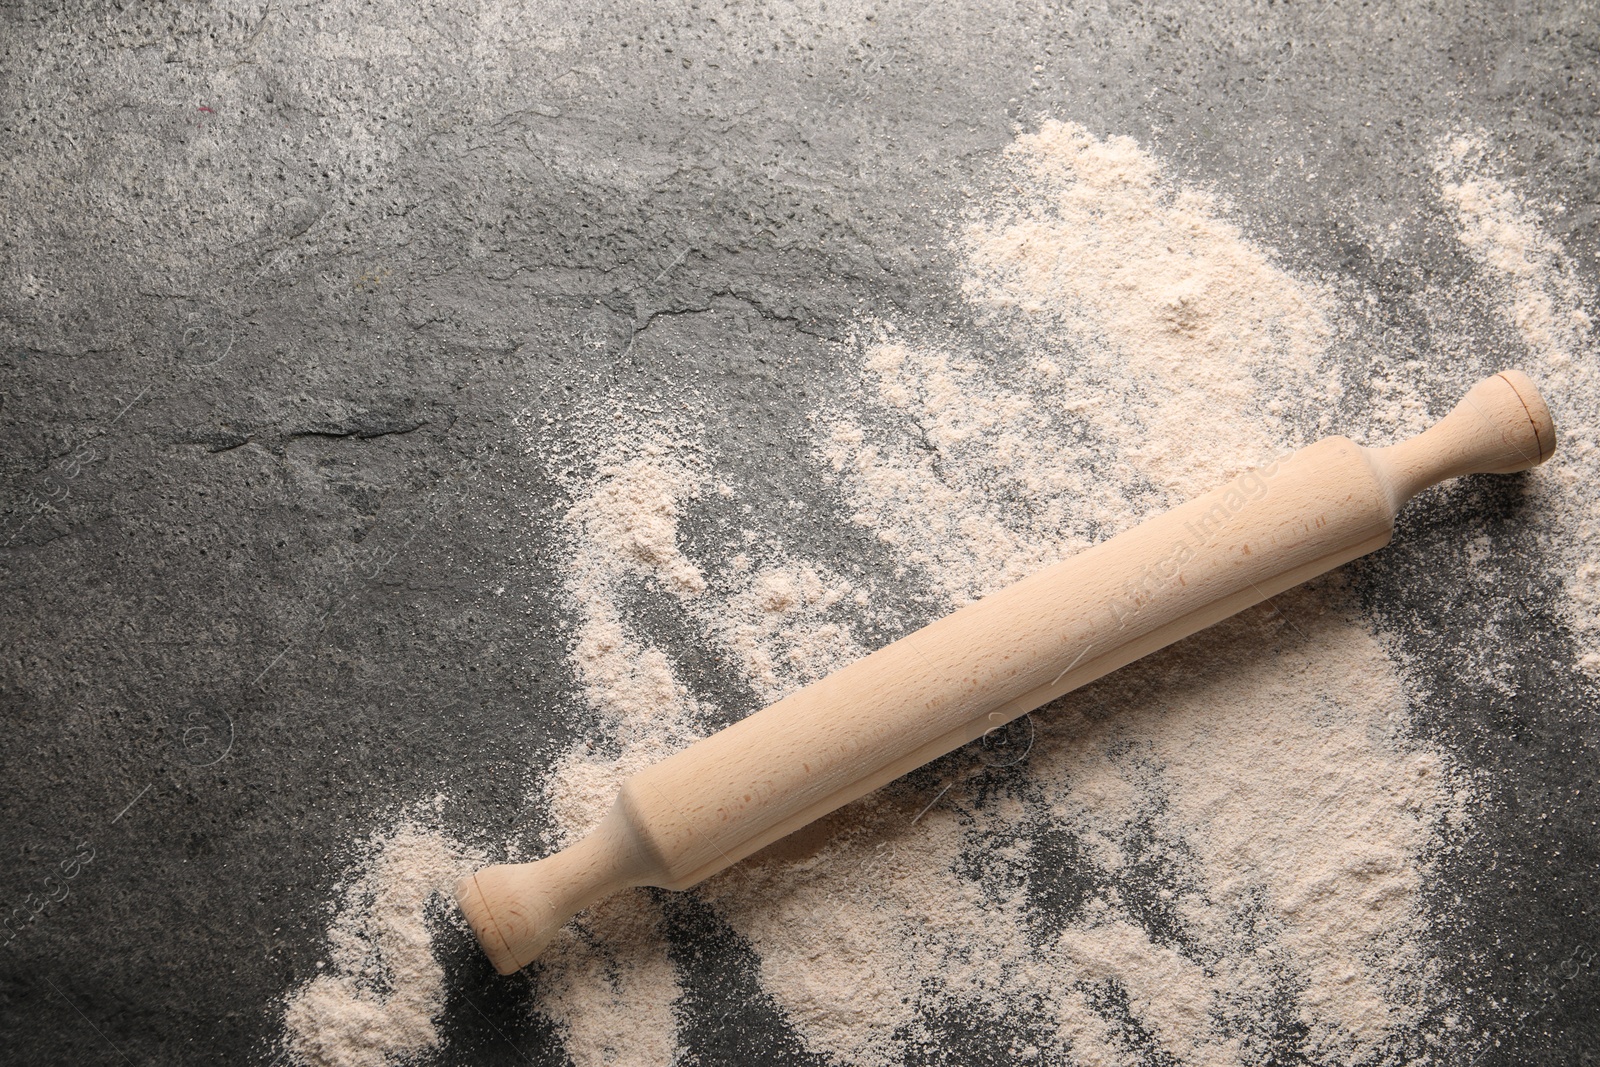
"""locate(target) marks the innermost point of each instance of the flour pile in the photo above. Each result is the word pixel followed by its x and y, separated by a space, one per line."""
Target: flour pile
pixel 1212 858
pixel 1141 277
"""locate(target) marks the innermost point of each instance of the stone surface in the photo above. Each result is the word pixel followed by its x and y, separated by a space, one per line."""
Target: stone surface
pixel 277 280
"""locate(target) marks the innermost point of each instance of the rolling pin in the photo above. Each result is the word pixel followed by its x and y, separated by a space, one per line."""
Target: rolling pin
pixel 724 797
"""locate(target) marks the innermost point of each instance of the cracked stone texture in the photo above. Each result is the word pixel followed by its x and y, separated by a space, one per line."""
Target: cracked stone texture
pixel 279 278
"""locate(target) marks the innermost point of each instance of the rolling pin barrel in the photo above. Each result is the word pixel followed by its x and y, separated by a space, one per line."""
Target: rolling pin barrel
pixel 733 793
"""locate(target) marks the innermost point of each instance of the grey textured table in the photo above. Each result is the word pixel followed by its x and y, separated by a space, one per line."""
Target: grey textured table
pixel 284 301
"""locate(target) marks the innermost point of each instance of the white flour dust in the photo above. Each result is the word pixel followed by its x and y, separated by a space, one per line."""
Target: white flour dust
pixel 606 981
pixel 974 533
pixel 1216 848
pixel 1529 281
pixel 1141 276
pixel 384 989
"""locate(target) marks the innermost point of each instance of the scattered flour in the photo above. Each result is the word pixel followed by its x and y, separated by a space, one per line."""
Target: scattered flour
pixel 1152 281
pixel 606 981
pixel 1532 285
pixel 1291 844
pixel 385 988
pixel 1307 897
pixel 780 623
pixel 1006 517
pixel 1206 856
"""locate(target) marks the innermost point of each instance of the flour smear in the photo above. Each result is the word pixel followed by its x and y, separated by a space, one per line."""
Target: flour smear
pixel 1217 853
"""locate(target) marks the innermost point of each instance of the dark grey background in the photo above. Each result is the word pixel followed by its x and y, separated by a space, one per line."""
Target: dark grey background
pixel 268 313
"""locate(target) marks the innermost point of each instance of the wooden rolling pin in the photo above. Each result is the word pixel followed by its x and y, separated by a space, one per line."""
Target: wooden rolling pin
pixel 724 797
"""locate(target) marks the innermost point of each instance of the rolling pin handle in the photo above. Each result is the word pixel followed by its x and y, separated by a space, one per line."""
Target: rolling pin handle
pixel 516 908
pixel 1501 426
